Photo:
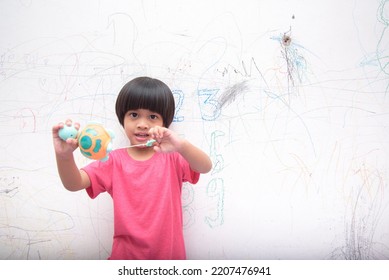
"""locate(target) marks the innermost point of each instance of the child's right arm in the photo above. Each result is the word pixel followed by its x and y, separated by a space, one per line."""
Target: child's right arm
pixel 72 178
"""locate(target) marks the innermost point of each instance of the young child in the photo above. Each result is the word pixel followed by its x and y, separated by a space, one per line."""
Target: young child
pixel 144 182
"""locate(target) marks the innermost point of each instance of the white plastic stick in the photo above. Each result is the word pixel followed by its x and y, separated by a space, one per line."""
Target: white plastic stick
pixel 149 143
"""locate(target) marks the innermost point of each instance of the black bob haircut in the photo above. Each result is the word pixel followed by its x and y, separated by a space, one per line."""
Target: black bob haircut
pixel 146 93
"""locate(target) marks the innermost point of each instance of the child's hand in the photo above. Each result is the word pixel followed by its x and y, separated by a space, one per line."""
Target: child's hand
pixel 64 149
pixel 167 140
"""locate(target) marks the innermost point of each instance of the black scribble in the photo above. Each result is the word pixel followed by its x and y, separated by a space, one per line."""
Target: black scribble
pixel 363 216
pixel 244 71
pixel 9 186
pixel 231 93
pixel 286 40
pixel 296 64
pixel 9 192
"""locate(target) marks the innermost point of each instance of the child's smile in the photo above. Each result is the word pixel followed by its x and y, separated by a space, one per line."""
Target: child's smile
pixel 142 137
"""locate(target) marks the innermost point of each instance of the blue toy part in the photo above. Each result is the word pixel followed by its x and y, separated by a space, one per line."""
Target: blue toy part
pixel 68 131
pixel 150 142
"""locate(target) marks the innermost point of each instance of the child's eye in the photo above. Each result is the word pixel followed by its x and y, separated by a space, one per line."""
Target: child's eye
pixel 133 115
pixel 153 117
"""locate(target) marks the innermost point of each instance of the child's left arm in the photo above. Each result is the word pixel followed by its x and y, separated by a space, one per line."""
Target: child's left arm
pixel 168 141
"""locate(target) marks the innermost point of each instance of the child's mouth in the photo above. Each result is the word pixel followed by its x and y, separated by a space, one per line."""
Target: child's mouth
pixel 141 137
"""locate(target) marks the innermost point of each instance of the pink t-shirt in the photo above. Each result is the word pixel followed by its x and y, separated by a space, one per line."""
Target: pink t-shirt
pixel 147 203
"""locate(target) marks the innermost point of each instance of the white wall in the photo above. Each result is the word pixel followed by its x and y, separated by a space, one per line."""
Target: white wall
pixel 298 131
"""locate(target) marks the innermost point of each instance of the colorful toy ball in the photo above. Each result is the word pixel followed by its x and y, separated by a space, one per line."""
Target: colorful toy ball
pixel 95 142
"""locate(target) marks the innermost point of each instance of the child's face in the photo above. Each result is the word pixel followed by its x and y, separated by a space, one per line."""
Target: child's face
pixel 137 124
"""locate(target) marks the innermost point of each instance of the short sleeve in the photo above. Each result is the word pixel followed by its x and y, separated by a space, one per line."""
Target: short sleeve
pixel 100 176
pixel 189 175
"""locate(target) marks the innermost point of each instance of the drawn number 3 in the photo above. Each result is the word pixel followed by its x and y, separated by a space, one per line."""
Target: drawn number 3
pixel 209 107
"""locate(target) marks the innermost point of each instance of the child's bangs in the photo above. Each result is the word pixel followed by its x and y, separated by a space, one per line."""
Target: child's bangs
pixel 146 99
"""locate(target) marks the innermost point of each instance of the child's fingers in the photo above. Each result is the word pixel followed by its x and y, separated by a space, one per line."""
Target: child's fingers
pixel 72 142
pixel 56 128
pixel 69 122
pixel 157 132
pixel 157 148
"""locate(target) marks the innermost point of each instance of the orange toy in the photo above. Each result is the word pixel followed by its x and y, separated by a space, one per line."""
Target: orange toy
pixel 95 142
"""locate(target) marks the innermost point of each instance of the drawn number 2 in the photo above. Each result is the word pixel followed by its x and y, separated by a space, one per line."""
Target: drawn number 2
pixel 179 99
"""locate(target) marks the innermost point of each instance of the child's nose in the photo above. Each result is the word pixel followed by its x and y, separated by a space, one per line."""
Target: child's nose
pixel 142 124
